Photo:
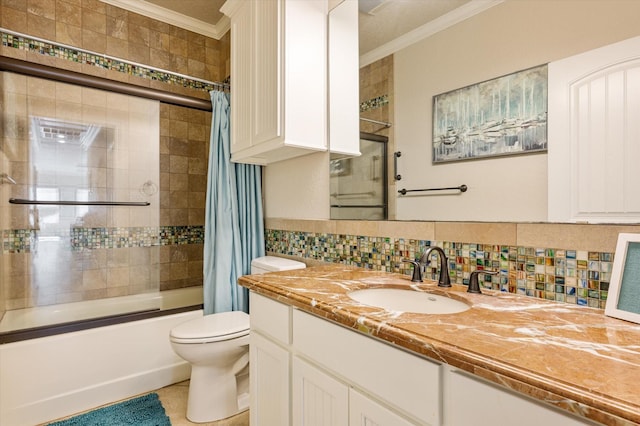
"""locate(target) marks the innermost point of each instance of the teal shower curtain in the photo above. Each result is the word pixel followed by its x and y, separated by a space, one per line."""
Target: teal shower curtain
pixel 234 228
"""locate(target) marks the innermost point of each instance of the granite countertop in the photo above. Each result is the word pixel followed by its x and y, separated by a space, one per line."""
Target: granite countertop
pixel 570 356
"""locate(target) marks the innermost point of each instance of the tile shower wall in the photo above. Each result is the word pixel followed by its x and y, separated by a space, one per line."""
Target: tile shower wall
pixel 57 33
pixel 65 142
pixel 376 95
pixel 184 148
pixel 104 29
pixel 563 275
pixel 376 103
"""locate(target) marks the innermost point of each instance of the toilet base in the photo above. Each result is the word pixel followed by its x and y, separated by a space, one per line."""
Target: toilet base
pixel 213 395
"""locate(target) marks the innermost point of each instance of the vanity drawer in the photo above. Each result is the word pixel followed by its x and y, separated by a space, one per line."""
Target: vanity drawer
pixel 270 318
pixel 403 380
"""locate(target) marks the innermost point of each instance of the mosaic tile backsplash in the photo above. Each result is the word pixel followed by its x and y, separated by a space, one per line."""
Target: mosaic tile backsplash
pixel 570 276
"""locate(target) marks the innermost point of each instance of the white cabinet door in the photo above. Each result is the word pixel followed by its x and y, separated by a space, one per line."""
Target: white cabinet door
pixel 344 79
pixel 366 412
pixel 241 48
pixel 594 136
pixel 269 382
pixel 279 68
pixel 267 71
pixel 317 398
pixel 409 383
pixel 471 402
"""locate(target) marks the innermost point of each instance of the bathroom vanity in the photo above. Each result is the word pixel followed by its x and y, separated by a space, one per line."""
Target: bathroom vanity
pixel 320 357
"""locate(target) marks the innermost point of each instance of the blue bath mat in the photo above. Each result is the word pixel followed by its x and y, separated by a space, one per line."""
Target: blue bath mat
pixel 146 410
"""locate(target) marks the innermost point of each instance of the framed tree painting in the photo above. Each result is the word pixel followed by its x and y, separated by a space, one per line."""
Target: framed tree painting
pixel 503 116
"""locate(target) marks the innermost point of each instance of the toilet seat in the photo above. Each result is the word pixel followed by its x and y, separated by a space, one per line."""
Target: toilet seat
pixel 212 328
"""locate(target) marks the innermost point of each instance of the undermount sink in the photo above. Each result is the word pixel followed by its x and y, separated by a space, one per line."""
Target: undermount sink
pixel 394 299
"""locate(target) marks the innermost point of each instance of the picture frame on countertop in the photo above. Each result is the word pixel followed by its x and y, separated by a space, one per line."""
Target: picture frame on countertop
pixel 623 299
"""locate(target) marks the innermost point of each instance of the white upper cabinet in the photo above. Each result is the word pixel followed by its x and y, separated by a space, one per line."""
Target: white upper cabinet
pixel 594 136
pixel 279 75
pixel 344 79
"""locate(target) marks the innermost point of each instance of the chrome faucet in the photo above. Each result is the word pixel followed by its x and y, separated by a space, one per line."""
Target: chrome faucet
pixel 444 280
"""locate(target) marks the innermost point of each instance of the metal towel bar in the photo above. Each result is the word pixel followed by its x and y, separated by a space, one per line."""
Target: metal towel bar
pixel 80 203
pixel 461 188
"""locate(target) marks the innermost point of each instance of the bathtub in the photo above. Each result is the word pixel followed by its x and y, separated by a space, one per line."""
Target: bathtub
pixel 46 378
pixel 19 319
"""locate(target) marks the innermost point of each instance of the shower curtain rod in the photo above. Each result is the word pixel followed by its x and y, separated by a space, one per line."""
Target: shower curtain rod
pixel 66 76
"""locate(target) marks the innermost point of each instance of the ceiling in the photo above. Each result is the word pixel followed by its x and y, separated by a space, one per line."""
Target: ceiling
pixel 386 21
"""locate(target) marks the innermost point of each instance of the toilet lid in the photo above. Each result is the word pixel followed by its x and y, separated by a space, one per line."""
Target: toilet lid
pixel 220 326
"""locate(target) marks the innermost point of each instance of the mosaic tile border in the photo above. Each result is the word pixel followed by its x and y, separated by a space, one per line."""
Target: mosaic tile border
pixel 25 240
pixel 49 48
pixel 374 103
pixel 570 276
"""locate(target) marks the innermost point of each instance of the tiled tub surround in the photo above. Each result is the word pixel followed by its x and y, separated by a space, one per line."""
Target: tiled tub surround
pixel 94 263
pixel 46 47
pixel 564 275
pixel 571 357
pixel 96 38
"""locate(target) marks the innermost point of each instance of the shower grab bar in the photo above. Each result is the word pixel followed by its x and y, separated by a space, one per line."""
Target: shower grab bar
pixel 396 155
pixel 80 203
pixel 461 188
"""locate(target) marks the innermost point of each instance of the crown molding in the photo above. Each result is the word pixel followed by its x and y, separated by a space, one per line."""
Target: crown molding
pixel 441 23
pixel 153 11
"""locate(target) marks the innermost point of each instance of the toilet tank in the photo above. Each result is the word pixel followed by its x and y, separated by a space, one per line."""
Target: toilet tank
pixel 260 265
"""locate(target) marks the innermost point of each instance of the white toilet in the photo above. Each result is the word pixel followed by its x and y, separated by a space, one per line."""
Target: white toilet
pixel 217 346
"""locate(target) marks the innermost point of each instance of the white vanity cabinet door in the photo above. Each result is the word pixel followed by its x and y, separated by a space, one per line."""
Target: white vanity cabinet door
pixel 270 318
pixel 269 382
pixel 406 382
pixel 366 412
pixel 317 398
pixel 472 402
pixel 269 366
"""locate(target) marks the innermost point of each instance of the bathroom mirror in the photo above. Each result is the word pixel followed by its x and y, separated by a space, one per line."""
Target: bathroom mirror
pixel 380 23
pixel 461 51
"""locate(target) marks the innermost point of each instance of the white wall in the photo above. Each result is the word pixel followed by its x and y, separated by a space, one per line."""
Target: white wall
pixel 512 36
pixel 509 37
pixel 297 188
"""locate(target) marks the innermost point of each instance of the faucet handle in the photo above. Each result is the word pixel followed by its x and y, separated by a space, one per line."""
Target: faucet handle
pixel 474 285
pixel 417 270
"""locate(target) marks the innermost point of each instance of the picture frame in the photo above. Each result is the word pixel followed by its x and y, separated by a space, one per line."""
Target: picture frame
pixel 503 116
pixel 623 299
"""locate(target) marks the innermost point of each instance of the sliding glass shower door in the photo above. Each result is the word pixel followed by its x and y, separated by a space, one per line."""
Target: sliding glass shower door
pixel 80 199
pixel 359 184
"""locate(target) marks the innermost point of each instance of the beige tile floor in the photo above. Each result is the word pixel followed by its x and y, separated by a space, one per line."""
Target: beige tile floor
pixel 174 401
